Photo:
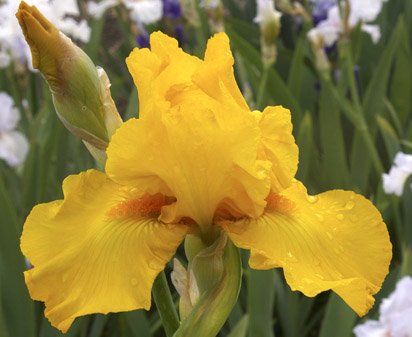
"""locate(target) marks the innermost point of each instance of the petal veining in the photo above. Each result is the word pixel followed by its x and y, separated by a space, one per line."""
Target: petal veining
pixel 98 250
pixel 335 240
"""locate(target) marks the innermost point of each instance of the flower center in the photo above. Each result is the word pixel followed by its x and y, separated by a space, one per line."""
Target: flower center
pixel 148 206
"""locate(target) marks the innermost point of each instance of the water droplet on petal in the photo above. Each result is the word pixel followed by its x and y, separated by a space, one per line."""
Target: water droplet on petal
pixel 330 236
pixel 350 205
pixel 312 198
pixel 133 281
pixel 319 276
pixel 319 216
pixel 340 216
pixel 84 108
pixel 292 258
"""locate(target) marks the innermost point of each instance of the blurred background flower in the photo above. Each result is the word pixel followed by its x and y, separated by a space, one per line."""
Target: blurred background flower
pixel 395 319
pixel 394 181
pixel 351 106
pixel 332 20
pixel 13 144
pixel 64 15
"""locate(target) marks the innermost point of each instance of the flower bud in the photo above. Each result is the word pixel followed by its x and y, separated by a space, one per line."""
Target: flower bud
pixel 81 92
pixel 268 19
pixel 210 286
pixel 318 47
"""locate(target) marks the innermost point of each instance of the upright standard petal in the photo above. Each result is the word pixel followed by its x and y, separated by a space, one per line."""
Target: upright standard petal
pixel 215 76
pixel 98 250
pixel 156 70
pixel 335 240
pixel 178 150
pixel 278 145
pixel 197 117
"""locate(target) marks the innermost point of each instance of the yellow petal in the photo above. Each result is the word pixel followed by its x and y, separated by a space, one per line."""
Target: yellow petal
pixel 199 142
pixel 335 240
pixel 98 250
pixel 204 152
pixel 155 71
pixel 278 145
pixel 215 76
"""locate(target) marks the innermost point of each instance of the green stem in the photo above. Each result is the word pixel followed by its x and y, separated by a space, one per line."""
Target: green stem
pixel 214 306
pixel 165 305
pixel 363 128
pixel 367 138
pixel 260 100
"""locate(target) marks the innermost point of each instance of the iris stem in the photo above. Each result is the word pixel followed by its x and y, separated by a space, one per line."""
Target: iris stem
pixel 260 100
pixel 364 131
pixel 165 305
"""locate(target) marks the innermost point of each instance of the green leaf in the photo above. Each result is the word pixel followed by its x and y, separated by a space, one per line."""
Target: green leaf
pixel 138 324
pixel 407 215
pixel 261 300
pixel 401 81
pixel 293 309
pixel 241 328
pixel 390 138
pixel 334 166
pixel 373 101
pixel 19 314
pixel 297 68
pixel 98 325
pixel 3 327
pixel 338 320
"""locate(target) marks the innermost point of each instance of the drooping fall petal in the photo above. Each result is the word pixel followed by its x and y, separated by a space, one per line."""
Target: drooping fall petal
pixel 98 250
pixel 335 240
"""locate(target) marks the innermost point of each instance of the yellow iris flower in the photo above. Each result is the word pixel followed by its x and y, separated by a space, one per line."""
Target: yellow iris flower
pixel 196 160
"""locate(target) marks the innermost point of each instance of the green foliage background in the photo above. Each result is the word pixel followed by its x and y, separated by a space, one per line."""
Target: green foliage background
pixel 348 130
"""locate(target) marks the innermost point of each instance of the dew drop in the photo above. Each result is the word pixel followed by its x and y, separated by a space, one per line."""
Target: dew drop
pixel 84 108
pixel 340 216
pixel 312 198
pixel 319 216
pixel 133 281
pixel 319 276
pixel 350 205
pixel 330 236
pixel 292 258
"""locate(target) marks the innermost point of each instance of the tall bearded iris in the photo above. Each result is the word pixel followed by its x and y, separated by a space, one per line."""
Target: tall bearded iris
pixel 196 161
